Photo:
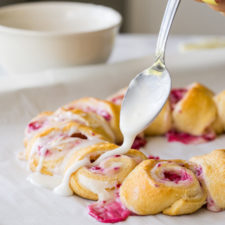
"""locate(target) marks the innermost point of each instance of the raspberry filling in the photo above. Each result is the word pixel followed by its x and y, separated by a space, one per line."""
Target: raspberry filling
pixel 117 100
pixel 185 138
pixel 153 157
pixel 176 95
pixel 211 205
pixel 96 169
pixel 101 170
pixel 47 152
pixel 198 171
pixel 105 115
pixel 176 176
pixel 112 211
pixel 139 142
pixel 35 125
pixel 102 113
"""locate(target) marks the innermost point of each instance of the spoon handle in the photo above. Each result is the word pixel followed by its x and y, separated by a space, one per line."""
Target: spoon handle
pixel 168 17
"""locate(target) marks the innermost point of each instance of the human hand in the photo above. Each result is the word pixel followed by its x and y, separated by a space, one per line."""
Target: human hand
pixel 218 6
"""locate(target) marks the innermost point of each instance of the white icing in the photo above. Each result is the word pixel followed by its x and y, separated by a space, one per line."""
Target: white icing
pixel 68 156
pixel 46 181
pixel 98 187
pixel 123 149
pixel 67 115
pixel 64 187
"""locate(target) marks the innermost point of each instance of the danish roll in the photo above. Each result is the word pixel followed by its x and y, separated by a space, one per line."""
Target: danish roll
pixel 90 119
pixel 106 109
pixel 212 176
pixel 47 150
pixel 194 109
pixel 99 181
pixel 156 186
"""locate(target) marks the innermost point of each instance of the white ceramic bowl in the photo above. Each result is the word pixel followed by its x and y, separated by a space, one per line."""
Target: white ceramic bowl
pixel 43 35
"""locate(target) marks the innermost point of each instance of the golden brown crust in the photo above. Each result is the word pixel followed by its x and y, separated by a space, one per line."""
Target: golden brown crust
pixel 107 176
pixel 162 123
pixel 144 191
pixel 213 176
pixel 220 103
pixel 195 113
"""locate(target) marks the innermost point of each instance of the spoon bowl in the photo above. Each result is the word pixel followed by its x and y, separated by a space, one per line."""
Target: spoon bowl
pixel 145 97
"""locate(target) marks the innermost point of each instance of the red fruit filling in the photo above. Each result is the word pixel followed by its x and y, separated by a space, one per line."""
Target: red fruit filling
pixel 211 205
pixel 176 95
pixel 96 169
pixel 47 152
pixel 176 177
pixel 116 168
pixel 105 115
pixel 102 113
pixel 185 138
pixel 117 100
pixel 36 125
pixel 112 211
pixel 198 171
pixel 153 157
pixel 139 142
pixel 87 109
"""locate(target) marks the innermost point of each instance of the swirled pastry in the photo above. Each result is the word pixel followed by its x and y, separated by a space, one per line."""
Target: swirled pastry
pixel 212 175
pixel 47 150
pixel 194 109
pixel 89 119
pixel 156 186
pixel 106 109
pixel 99 181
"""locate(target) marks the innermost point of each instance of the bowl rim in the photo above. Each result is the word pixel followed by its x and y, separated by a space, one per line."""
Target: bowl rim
pixel 19 31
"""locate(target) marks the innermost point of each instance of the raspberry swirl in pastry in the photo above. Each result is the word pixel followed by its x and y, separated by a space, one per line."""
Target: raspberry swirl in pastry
pixel 156 186
pixel 50 119
pixel 89 119
pixel 97 181
pixel 107 110
pixel 47 150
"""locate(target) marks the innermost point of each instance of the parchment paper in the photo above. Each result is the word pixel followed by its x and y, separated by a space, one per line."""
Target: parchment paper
pixel 23 97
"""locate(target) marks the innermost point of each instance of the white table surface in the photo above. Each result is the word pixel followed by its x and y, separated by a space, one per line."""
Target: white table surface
pixel 131 46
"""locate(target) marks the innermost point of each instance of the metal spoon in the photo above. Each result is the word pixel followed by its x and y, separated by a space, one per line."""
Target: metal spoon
pixel 147 92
